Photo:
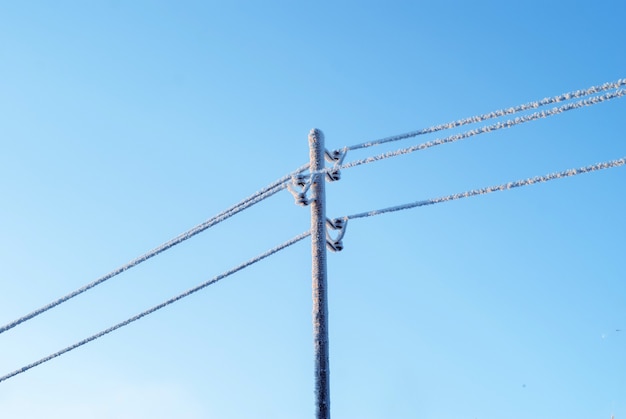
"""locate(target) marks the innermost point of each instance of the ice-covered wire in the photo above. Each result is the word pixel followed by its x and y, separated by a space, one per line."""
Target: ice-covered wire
pixel 495 114
pixel 264 193
pixel 158 307
pixel 487 128
pixel 502 187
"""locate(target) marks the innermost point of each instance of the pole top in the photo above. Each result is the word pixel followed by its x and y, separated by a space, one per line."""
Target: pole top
pixel 316 136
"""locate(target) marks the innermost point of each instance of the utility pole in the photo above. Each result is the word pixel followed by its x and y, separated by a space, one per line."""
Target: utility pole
pixel 320 298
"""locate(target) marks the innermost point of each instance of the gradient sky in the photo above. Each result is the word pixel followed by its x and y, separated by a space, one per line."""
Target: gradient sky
pixel 125 123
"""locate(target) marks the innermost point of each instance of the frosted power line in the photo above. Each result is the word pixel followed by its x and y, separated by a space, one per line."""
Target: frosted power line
pixel 158 307
pixel 487 128
pixel 264 193
pixel 502 187
pixel 494 114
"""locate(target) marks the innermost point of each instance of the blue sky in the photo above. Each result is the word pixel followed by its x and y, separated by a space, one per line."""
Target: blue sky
pixel 123 124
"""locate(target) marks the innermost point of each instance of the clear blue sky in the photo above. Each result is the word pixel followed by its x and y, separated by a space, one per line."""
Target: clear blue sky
pixel 123 124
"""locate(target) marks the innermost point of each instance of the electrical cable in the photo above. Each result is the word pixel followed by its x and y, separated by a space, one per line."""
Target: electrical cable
pixel 264 193
pixel 494 114
pixel 502 187
pixel 158 307
pixel 487 128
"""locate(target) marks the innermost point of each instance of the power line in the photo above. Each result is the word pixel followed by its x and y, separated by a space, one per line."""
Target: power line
pixel 494 114
pixel 159 306
pixel 282 183
pixel 502 187
pixel 259 196
pixel 487 128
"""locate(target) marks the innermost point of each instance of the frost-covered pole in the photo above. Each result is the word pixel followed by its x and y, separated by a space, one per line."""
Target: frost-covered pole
pixel 320 299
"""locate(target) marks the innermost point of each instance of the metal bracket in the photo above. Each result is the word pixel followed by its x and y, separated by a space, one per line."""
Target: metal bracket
pixel 336 157
pixel 339 224
pixel 304 183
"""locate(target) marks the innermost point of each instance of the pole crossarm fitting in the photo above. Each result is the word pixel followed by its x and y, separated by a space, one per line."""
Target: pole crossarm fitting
pixel 338 224
pixel 302 181
pixel 336 157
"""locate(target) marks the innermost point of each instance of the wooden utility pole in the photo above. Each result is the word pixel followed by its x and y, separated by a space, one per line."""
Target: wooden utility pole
pixel 320 299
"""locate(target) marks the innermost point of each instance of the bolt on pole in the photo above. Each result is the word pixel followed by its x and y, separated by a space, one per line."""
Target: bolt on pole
pixel 319 276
